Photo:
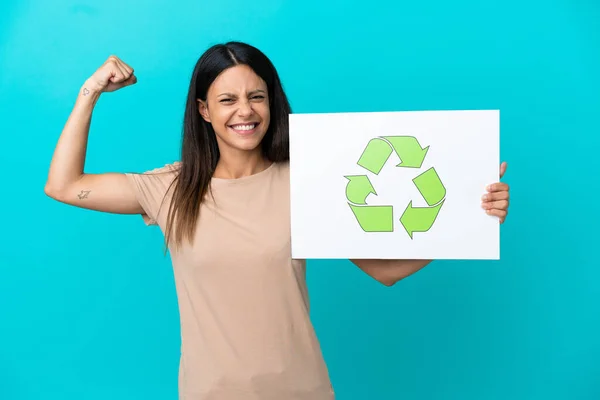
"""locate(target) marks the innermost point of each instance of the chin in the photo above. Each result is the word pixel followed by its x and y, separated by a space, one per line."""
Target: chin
pixel 247 145
pixel 246 141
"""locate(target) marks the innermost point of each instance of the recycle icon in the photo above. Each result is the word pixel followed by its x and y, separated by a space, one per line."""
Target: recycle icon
pixel 380 218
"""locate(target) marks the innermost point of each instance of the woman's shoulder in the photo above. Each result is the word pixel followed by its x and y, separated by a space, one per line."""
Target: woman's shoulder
pixel 157 178
pixel 165 169
pixel 283 165
pixel 281 170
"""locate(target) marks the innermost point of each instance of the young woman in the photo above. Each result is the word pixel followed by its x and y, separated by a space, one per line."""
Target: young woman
pixel 225 213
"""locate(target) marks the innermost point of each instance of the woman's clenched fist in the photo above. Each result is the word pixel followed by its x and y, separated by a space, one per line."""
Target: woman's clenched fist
pixel 113 75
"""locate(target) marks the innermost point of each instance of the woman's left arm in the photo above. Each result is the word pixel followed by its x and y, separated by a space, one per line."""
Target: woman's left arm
pixel 388 272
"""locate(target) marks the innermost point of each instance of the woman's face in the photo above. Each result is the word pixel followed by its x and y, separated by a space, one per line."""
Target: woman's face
pixel 237 106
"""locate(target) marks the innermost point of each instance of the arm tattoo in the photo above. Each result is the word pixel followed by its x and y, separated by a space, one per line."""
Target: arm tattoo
pixel 86 91
pixel 83 194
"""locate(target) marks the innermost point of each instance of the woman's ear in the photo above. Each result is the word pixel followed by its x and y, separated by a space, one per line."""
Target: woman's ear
pixel 203 110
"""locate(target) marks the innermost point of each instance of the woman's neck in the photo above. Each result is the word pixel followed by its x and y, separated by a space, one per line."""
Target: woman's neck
pixel 243 164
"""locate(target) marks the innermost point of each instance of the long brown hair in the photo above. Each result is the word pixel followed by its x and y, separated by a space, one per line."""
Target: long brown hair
pixel 199 149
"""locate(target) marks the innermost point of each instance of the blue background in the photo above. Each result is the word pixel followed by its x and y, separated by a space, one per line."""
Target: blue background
pixel 87 301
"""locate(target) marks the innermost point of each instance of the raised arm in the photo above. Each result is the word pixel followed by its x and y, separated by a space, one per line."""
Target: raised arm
pixel 67 182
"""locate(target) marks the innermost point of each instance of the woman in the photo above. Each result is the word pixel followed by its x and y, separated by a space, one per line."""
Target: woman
pixel 224 210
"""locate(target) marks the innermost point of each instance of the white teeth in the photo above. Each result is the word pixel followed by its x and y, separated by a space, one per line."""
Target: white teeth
pixel 243 127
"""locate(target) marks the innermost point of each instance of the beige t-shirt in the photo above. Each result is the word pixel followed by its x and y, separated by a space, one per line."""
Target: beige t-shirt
pixel 244 307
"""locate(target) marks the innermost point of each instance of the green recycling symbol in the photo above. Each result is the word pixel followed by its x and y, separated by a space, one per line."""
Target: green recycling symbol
pixel 380 218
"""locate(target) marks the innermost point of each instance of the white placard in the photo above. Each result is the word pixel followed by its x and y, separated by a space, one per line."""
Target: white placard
pixel 394 185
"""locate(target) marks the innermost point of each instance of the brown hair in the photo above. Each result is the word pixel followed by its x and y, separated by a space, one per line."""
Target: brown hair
pixel 199 149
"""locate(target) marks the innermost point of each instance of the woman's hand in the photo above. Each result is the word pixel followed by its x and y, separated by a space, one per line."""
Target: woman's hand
pixel 496 201
pixel 113 75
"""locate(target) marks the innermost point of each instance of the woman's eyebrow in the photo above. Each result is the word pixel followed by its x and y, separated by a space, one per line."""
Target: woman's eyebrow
pixel 257 91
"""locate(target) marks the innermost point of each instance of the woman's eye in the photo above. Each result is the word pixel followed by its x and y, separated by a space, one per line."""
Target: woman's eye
pixel 226 100
pixel 259 97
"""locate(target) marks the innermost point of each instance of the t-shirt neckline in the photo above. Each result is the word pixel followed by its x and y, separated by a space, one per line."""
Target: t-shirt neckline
pixel 243 179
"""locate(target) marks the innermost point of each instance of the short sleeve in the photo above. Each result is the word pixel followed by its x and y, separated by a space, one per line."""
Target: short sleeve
pixel 151 189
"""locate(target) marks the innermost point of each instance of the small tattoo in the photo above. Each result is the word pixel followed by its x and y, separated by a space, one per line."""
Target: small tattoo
pixel 83 194
pixel 86 91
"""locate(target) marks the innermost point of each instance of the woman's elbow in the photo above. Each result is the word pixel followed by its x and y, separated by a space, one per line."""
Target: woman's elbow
pixel 52 192
pixel 388 281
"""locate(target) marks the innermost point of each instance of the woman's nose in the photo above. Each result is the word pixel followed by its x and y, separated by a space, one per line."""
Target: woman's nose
pixel 245 108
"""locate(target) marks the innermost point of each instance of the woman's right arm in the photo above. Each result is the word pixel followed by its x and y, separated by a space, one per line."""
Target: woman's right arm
pixel 67 182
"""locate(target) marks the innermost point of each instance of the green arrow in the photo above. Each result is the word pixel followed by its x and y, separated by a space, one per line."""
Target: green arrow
pixel 358 189
pixel 430 186
pixel 375 155
pixel 409 150
pixel 374 218
pixel 419 219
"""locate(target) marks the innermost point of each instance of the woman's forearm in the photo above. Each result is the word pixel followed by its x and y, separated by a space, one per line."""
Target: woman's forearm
pixel 68 160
